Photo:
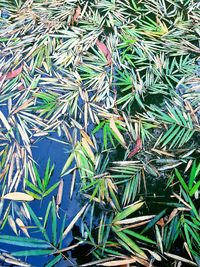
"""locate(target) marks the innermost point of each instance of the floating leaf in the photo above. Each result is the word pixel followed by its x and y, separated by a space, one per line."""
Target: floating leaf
pixel 76 14
pixel 103 48
pixel 23 241
pixel 117 132
pixel 22 226
pixel 118 262
pixel 72 223
pixel 12 74
pixel 126 212
pixel 18 196
pixel 128 241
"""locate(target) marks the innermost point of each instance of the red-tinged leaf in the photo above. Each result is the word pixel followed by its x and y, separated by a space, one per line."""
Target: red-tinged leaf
pixel 136 149
pixel 172 215
pixel 12 74
pixel 21 87
pixel 2 77
pixel 60 193
pixel 161 222
pixel 103 48
pixel 76 14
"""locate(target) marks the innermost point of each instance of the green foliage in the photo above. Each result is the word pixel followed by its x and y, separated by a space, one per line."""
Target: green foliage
pixel 117 84
pixel 40 187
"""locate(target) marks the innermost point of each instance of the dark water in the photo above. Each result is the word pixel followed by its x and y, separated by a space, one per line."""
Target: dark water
pixel 42 150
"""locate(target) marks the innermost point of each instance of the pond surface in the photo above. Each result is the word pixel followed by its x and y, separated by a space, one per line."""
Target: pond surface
pixel 110 93
pixel 42 150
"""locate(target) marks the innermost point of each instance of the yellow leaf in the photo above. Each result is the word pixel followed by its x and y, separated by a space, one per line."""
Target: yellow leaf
pixel 88 149
pixel 117 132
pixel 119 262
pixel 26 104
pixel 22 226
pixel 88 139
pixel 18 196
pixel 12 224
pixel 72 223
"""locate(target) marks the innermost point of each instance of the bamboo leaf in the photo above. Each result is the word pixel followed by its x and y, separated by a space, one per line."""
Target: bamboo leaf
pixel 36 252
pixel 181 180
pixel 23 241
pixel 117 132
pixel 125 213
pixel 18 196
pixel 129 242
pixel 72 223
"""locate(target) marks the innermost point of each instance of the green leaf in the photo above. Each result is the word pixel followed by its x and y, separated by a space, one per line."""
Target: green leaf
pixel 105 130
pixel 37 177
pixel 192 175
pixel 68 163
pixel 51 189
pixel 54 261
pixel 195 188
pixel 153 221
pixel 54 223
pixel 61 231
pixel 98 127
pixel 181 180
pixel 36 252
pixel 125 213
pixel 33 195
pixel 139 236
pixel 46 175
pixel 23 241
pixel 33 187
pixel 129 242
pixel 37 222
pixel 47 214
pixel 114 198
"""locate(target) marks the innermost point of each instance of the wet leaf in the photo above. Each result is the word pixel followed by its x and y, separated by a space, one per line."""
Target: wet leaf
pixel 23 241
pixel 129 242
pixel 36 252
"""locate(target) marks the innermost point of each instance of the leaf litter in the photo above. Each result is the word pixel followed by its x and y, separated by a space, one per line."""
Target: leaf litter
pixel 120 81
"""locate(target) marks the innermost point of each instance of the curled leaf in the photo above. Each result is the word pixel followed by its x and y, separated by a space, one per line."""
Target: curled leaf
pixel 137 148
